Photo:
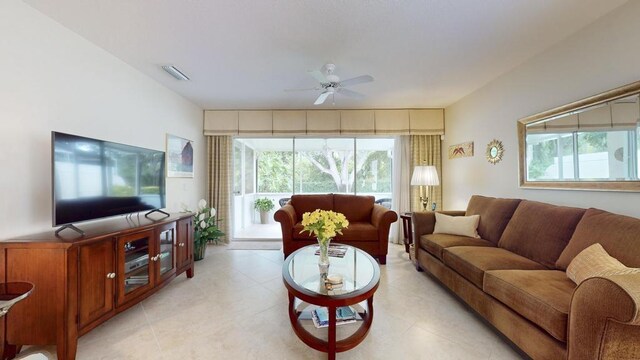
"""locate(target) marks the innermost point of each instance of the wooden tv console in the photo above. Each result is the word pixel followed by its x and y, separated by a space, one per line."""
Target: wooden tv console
pixel 82 281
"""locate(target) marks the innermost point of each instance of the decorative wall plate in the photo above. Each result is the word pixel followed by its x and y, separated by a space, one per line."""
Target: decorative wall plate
pixel 495 150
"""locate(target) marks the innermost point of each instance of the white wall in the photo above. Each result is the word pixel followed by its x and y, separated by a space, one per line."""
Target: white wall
pixel 52 79
pixel 600 57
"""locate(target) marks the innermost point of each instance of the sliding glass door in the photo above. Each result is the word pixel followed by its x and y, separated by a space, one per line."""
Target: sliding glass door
pixel 276 168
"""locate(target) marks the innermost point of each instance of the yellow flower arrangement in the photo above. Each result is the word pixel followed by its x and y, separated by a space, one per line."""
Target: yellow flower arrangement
pixel 324 224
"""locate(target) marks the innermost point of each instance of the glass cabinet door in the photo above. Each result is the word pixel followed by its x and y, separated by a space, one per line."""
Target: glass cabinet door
pixel 165 257
pixel 134 261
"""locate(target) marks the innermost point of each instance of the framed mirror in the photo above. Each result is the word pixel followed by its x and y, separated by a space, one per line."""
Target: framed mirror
pixel 494 152
pixel 591 144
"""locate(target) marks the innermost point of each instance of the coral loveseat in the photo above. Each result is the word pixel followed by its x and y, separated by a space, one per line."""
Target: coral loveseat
pixel 514 276
pixel 368 222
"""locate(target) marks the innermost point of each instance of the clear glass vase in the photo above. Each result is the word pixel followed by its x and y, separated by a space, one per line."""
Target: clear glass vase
pixel 323 261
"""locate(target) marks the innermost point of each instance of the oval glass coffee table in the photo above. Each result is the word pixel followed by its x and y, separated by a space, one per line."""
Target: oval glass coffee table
pixel 360 278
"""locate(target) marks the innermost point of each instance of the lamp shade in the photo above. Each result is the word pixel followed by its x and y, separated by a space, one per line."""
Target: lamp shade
pixel 425 175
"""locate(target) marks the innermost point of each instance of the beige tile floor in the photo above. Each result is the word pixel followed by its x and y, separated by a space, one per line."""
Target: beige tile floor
pixel 236 308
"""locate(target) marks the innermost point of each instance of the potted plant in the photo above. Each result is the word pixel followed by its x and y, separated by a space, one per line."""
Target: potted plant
pixel 264 205
pixel 205 229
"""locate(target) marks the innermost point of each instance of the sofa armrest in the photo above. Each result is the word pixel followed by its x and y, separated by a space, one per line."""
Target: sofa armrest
pixel 286 215
pixel 287 218
pixel 424 222
pixel 381 216
pixel 604 311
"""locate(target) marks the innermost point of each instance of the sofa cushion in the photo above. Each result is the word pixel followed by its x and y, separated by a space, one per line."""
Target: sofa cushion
pixel 542 296
pixel 619 235
pixel 356 208
pixel 357 231
pixel 309 203
pixel 472 261
pixel 595 262
pixel 494 215
pixel 540 231
pixel 436 243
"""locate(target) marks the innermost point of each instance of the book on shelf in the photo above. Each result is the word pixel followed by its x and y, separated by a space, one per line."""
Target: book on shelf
pixel 344 315
pixel 334 251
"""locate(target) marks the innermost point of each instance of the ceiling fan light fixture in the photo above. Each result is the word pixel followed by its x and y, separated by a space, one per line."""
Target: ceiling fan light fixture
pixel 333 78
pixel 173 71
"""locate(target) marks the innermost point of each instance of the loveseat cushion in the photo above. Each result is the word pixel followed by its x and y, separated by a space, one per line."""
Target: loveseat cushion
pixel 309 203
pixel 436 243
pixel 357 231
pixel 619 235
pixel 541 296
pixel 494 214
pixel 356 208
pixel 540 231
pixel 472 261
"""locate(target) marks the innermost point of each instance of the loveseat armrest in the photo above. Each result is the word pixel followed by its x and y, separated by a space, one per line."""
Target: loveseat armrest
pixel 381 216
pixel 381 219
pixel 424 222
pixel 604 319
pixel 286 215
pixel 287 218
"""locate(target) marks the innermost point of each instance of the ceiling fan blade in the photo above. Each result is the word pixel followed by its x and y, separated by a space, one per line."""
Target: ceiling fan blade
pixel 319 76
pixel 357 80
pixel 350 93
pixel 322 98
pixel 293 90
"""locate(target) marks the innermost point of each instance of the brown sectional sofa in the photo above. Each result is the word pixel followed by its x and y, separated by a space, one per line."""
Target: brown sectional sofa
pixel 368 222
pixel 514 276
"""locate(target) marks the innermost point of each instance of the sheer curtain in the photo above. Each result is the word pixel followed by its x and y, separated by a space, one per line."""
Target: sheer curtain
pixel 426 150
pixel 219 150
pixel 401 184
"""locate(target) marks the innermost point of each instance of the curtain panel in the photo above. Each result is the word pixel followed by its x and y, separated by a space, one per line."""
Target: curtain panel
pixel 219 150
pixel 402 168
pixel 426 150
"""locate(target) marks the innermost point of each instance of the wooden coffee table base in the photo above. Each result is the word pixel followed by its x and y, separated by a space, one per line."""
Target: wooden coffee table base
pixel 301 277
pixel 332 346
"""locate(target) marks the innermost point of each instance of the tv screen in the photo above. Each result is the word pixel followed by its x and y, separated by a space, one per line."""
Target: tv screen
pixel 94 179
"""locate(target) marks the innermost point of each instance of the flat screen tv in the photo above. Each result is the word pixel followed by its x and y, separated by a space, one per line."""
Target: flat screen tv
pixel 94 179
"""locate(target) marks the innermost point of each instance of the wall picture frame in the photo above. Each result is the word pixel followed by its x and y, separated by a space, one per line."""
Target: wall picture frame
pixel 179 157
pixel 461 150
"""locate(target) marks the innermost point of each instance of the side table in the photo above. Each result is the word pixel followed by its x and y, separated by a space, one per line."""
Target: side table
pixel 407 230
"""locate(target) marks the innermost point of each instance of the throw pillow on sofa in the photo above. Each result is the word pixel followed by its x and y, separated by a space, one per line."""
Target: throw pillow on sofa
pixel 457 225
pixel 594 261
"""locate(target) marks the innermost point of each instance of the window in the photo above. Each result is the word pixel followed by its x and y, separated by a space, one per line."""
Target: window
pixel 324 165
pixel 374 164
pixel 276 168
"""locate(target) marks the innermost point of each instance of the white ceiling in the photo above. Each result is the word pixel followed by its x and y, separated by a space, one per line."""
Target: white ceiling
pixel 244 53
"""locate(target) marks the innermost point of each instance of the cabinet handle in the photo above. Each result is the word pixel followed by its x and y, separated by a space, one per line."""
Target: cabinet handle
pixel 111 275
pixel 181 244
pixel 155 258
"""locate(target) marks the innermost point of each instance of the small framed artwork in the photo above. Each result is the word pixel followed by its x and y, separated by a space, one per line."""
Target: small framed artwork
pixel 179 157
pixel 461 150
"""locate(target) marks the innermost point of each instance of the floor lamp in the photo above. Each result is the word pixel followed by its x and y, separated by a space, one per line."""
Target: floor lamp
pixel 426 175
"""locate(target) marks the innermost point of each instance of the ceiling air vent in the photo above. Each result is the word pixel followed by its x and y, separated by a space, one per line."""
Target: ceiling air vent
pixel 173 71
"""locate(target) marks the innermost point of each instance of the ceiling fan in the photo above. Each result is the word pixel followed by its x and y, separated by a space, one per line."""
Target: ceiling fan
pixel 330 84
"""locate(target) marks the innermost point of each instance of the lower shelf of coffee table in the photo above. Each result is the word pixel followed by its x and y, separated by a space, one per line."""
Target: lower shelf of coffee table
pixel 347 335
